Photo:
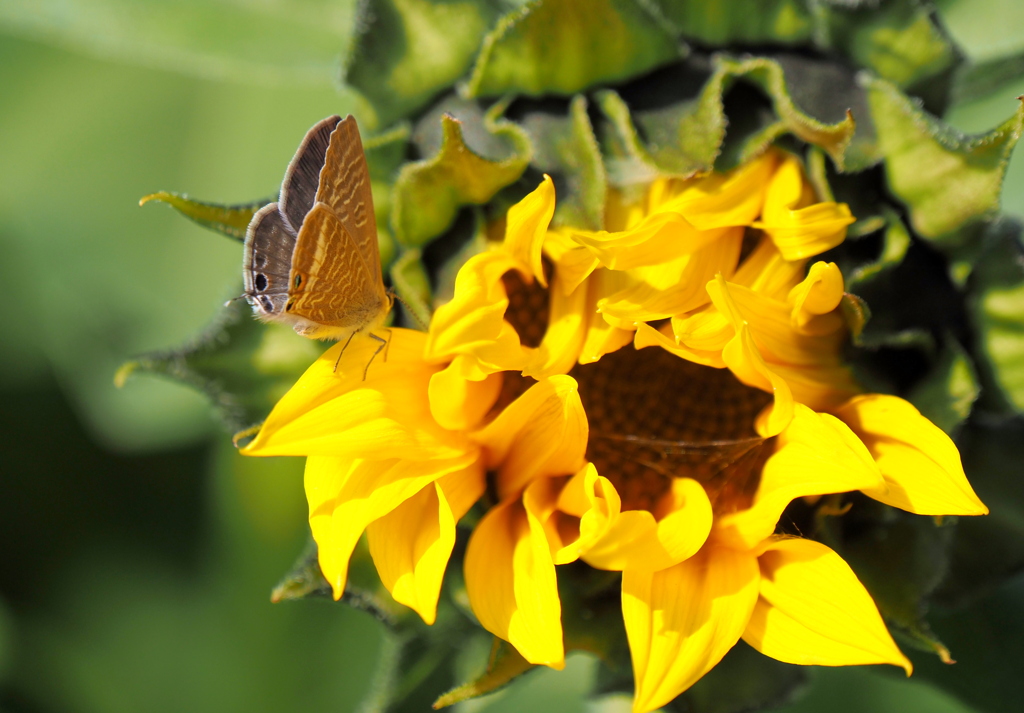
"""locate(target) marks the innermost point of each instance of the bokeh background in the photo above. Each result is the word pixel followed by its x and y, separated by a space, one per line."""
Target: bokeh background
pixel 137 550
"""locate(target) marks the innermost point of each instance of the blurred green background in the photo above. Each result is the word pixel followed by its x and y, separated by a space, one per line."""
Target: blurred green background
pixel 137 550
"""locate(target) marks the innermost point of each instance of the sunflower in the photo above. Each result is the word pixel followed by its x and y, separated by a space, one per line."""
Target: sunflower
pixel 648 399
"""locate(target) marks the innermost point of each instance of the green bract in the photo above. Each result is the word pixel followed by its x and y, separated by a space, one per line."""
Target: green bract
pixel 470 102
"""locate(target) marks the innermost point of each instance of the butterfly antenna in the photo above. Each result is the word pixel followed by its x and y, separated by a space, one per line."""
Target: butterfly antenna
pixel 410 310
pixel 234 299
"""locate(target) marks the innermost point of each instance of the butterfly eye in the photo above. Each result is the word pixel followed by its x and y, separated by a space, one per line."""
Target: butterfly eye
pixel 261 282
pixel 298 280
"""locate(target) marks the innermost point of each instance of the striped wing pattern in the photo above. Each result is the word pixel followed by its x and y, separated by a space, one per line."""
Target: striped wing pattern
pixel 345 188
pixel 331 283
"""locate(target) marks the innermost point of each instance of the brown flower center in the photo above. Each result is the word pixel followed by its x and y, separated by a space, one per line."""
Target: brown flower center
pixel 654 416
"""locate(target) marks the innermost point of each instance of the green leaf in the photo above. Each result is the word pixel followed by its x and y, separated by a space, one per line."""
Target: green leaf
pixel 386 151
pixel 986 642
pixel 627 162
pixel 996 307
pixel 976 81
pixel 987 551
pixel 306 580
pixel 243 366
pixel 407 51
pixel 901 558
pixel 896 242
pixel 946 395
pixel 428 193
pixel 898 40
pixel 745 680
pixel 685 137
pixel 229 220
pixel 828 92
pixel 565 147
pixel 722 22
pixel 505 665
pixel 769 75
pixel 985 30
pixel 412 284
pixel 566 46
pixel 682 137
pixel 947 180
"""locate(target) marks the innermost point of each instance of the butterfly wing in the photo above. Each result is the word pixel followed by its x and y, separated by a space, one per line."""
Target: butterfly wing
pixel 345 188
pixel 299 188
pixel 267 258
pixel 331 284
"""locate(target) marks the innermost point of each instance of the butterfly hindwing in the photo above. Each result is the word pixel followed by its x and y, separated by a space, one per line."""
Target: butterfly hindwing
pixel 266 266
pixel 301 180
pixel 330 282
pixel 345 188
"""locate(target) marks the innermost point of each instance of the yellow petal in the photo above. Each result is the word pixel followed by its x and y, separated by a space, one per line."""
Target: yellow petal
pixel 602 338
pixel 526 225
pixel 919 462
pixel 766 272
pixel 674 286
pixel 458 403
pixel 724 200
pixel 810 231
pixel 567 329
pixel 339 414
pixel 821 387
pixel 474 319
pixel 786 190
pixel 808 365
pixel 510 579
pixel 681 621
pixel 603 506
pixel 799 227
pixel 813 610
pixel 345 495
pixel 816 454
pixel 707 329
pixel 647 336
pixel 411 545
pixel 321 383
pixel 573 262
pixel 660 237
pixel 636 540
pixel 819 293
pixel 541 433
pixel 772 327
pixel 744 360
pixel 589 495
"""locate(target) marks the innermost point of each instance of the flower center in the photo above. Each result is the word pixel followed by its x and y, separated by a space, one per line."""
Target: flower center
pixel 654 416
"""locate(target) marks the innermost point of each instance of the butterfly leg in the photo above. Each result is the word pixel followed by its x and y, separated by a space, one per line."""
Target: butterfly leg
pixel 383 345
pixel 342 353
pixel 388 346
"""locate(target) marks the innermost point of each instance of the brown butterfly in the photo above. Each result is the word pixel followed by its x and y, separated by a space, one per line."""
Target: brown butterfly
pixel 311 259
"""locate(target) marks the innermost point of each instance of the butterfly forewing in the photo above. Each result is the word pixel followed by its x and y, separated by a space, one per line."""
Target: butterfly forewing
pixel 331 284
pixel 345 188
pixel 299 188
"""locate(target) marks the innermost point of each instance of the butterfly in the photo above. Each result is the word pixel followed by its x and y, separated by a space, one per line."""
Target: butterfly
pixel 311 259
